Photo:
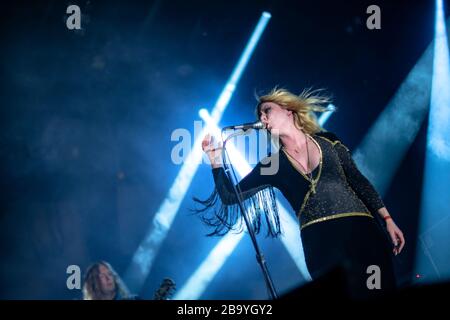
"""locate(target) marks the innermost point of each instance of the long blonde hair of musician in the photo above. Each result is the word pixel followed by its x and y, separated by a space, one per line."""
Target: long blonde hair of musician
pixel 92 285
pixel 303 106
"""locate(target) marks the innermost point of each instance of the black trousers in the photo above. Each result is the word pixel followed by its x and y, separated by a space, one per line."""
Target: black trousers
pixel 352 244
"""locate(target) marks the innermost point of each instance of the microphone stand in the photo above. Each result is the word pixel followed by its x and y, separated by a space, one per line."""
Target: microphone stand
pixel 259 256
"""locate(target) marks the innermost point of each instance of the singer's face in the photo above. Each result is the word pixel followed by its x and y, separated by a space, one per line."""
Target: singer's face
pixel 275 117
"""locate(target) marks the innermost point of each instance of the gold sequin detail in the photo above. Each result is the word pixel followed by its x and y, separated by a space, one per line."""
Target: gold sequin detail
pixel 312 182
pixel 333 143
pixel 336 216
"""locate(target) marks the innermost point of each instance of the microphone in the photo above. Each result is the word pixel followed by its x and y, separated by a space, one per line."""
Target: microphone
pixel 252 125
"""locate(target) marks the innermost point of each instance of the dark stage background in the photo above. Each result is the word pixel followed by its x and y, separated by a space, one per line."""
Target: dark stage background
pixel 87 118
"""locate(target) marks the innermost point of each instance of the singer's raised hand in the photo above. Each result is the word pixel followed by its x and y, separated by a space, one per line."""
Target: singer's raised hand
pixel 214 153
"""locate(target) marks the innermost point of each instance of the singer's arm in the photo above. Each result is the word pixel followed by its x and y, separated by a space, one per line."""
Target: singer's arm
pixel 249 185
pixel 257 193
pixel 357 181
pixel 367 193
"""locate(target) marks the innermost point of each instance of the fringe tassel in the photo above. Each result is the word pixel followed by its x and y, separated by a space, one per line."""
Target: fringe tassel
pixel 224 218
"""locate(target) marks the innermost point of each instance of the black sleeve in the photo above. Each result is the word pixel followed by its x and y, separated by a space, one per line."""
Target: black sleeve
pixel 258 200
pixel 249 185
pixel 357 181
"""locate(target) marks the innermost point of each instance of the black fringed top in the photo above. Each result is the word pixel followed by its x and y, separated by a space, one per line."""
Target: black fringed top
pixel 341 190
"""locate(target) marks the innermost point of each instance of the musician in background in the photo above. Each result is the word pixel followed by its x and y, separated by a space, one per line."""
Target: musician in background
pixel 101 282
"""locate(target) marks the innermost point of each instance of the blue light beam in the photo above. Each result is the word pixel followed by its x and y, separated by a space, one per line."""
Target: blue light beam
pixel 433 256
pixel 144 256
pixel 397 126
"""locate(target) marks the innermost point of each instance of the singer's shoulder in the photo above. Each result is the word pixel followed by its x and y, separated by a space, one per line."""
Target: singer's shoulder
pixel 331 138
pixel 328 135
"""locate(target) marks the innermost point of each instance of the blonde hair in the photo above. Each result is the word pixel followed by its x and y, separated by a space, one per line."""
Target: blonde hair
pixel 303 106
pixel 92 286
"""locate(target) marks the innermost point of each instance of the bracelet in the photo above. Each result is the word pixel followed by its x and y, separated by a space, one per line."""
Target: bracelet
pixel 387 217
